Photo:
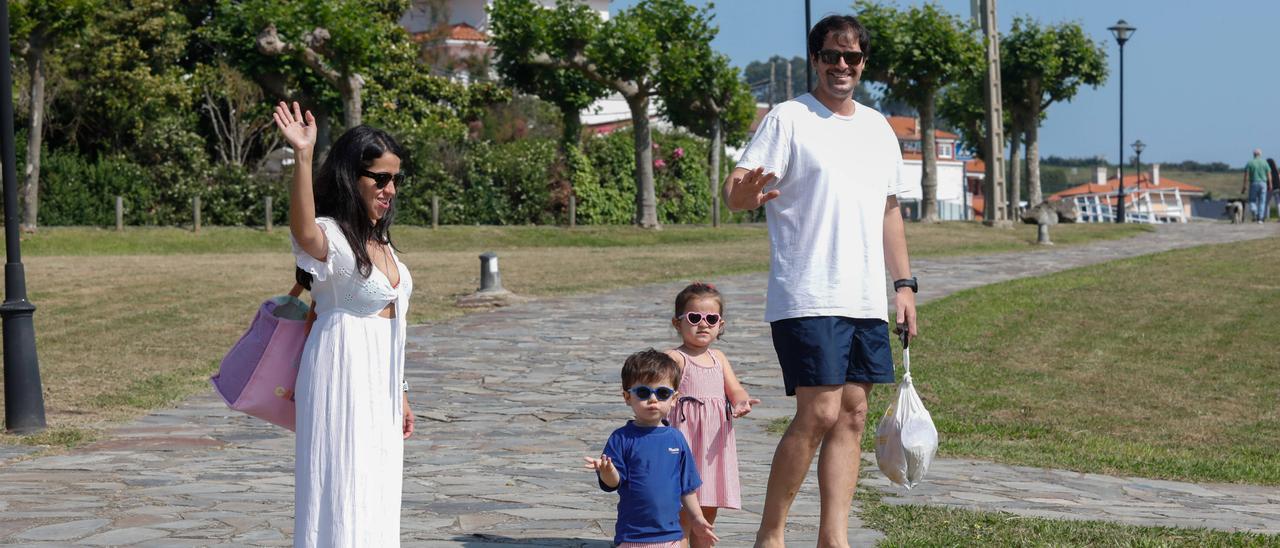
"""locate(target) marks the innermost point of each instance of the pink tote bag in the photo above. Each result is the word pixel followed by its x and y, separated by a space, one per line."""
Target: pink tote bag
pixel 257 375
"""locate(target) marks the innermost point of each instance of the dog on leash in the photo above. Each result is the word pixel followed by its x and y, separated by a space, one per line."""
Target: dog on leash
pixel 1235 211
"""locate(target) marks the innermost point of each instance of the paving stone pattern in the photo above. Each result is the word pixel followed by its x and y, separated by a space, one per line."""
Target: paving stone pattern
pixel 509 402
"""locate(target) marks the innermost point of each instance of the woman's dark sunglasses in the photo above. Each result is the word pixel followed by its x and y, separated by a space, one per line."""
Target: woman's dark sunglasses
pixel 832 56
pixel 694 317
pixel 381 180
pixel 643 392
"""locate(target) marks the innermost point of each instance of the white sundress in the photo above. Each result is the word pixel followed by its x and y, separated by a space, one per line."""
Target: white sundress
pixel 350 448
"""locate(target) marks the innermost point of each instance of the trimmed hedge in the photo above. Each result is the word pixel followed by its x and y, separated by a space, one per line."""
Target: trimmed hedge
pixel 521 182
pixel 77 191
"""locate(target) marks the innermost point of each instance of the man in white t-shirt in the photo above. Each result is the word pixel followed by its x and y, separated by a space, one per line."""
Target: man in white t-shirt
pixel 827 170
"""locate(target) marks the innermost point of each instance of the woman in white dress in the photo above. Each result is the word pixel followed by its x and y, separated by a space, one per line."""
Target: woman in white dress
pixel 353 410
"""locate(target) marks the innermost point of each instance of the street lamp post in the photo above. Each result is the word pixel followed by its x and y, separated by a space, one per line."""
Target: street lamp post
pixel 1138 147
pixel 23 401
pixel 1122 31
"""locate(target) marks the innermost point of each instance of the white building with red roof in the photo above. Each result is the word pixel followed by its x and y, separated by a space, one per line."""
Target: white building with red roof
pixel 952 199
pixel 455 33
pixel 1148 198
pixel 456 42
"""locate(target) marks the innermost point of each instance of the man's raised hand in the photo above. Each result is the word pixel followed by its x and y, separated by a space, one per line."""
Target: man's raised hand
pixel 746 194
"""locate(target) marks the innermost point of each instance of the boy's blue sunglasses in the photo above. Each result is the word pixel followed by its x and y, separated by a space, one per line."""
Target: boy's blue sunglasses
pixel 663 393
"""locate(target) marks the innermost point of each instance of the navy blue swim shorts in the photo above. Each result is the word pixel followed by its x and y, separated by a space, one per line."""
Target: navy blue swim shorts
pixel 831 350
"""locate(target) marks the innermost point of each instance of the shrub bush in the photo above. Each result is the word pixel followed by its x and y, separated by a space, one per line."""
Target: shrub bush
pixel 478 182
pixel 234 197
pixel 76 191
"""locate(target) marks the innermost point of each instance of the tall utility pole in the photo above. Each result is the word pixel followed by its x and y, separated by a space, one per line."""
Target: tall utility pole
pixel 994 187
pixel 790 95
pixel 808 64
pixel 773 78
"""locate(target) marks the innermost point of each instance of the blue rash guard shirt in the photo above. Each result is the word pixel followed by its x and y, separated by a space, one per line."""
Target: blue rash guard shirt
pixel 656 468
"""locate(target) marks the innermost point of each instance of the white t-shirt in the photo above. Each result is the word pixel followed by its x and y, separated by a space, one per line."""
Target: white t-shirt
pixel 826 227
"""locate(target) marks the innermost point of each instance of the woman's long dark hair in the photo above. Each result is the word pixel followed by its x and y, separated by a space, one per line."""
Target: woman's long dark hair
pixel 337 190
pixel 1275 173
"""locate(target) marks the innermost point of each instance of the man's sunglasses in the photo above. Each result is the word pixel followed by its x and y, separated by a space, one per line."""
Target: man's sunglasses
pixel 643 392
pixel 694 317
pixel 832 56
pixel 381 180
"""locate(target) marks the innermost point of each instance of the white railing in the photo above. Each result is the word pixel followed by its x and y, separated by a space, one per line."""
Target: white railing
pixel 1144 206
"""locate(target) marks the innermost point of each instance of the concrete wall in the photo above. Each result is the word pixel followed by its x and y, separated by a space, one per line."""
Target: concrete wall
pixel 950 180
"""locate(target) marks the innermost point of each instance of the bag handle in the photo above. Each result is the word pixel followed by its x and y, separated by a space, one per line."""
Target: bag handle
pixel 906 350
pixel 311 311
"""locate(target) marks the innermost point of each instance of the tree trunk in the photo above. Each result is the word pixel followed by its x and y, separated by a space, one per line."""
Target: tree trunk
pixel 571 119
pixel 713 153
pixel 646 197
pixel 1015 171
pixel 1034 193
pixel 350 88
pixel 929 168
pixel 31 190
pixel 324 137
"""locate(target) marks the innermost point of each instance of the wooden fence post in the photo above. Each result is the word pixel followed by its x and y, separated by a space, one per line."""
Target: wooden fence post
pixel 573 211
pixel 267 209
pixel 435 212
pixel 195 208
pixel 119 213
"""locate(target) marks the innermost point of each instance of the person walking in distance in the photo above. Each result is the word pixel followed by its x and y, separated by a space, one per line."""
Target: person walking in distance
pixel 1257 179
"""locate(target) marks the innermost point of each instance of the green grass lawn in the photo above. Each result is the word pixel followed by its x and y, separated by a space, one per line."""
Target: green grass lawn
pixel 177 241
pixel 158 307
pixel 924 239
pixel 1163 366
pixel 927 526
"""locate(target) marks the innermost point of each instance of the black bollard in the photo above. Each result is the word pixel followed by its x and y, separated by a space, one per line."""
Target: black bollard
pixel 490 279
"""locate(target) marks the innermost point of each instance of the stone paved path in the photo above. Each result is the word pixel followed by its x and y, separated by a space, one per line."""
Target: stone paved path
pixel 509 401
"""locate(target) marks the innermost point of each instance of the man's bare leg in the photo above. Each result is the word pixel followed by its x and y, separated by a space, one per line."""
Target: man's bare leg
pixel 838 466
pixel 817 410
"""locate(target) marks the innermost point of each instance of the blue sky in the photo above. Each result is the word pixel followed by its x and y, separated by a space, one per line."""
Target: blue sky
pixel 1202 79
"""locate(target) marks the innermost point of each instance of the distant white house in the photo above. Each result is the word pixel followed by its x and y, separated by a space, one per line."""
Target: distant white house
pixel 460 40
pixel 951 194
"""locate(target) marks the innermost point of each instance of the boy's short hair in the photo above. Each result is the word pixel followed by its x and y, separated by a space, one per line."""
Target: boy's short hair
pixel 647 366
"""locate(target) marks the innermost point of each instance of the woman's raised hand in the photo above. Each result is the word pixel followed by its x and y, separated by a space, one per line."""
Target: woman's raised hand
pixel 299 132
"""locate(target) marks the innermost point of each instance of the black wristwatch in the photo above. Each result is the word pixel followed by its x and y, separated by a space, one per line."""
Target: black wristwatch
pixel 906 282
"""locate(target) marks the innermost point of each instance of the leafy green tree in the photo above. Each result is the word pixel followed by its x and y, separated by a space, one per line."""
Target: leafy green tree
pixel 1042 65
pixel 562 31
pixel 238 117
pixel 316 52
pixel 712 101
pixel 126 91
pixel 915 53
pixel 622 54
pixel 37 28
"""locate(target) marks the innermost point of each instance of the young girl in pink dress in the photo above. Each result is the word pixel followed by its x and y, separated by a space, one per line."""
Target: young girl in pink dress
pixel 710 398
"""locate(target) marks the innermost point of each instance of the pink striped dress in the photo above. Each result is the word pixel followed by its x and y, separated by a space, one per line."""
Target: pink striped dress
pixel 702 414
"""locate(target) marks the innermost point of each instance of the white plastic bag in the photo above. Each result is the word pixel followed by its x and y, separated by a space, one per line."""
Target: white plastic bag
pixel 906 439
